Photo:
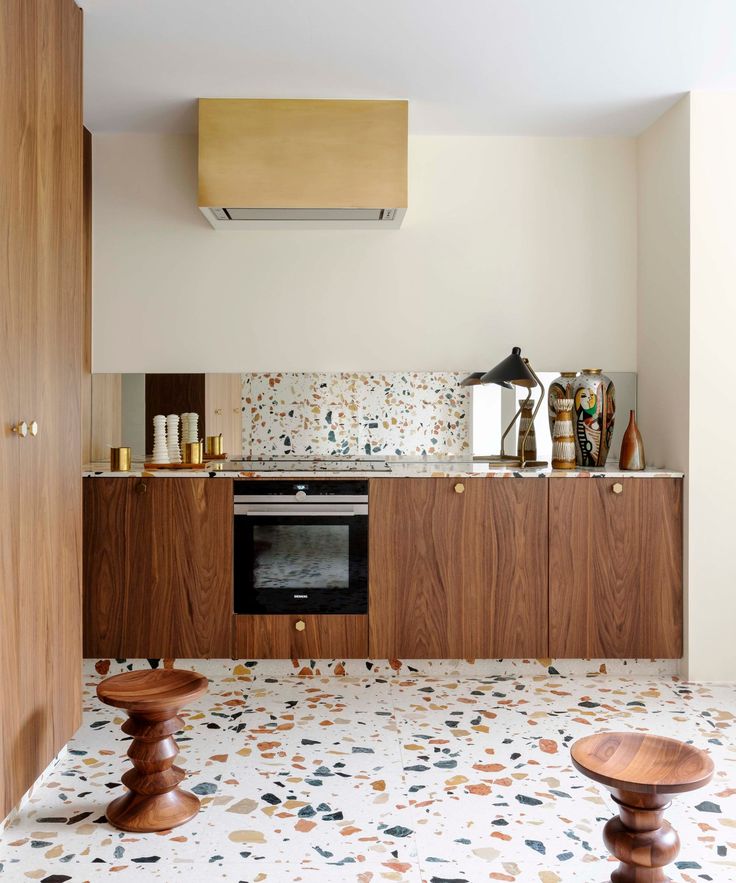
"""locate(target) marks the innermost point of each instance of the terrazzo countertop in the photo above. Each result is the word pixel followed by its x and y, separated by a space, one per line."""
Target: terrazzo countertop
pixel 399 468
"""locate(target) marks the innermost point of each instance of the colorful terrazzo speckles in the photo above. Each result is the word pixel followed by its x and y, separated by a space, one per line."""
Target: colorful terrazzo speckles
pixel 392 777
pixel 354 414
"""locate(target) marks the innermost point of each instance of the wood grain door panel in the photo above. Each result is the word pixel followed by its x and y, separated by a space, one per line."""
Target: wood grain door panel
pixel 458 575
pixel 616 568
pixel 40 329
pixel 158 567
pixel 324 637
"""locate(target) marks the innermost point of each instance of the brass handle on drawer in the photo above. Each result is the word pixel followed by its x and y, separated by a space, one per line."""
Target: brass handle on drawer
pixel 33 428
pixel 300 625
pixel 617 488
pixel 141 487
pixel 459 488
pixel 218 411
pixel 20 428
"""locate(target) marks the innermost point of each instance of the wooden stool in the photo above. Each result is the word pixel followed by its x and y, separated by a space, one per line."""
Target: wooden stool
pixel 152 699
pixel 642 772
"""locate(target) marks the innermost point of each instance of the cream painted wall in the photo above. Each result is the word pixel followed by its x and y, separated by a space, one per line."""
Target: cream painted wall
pixel 663 314
pixel 712 484
pixel 528 241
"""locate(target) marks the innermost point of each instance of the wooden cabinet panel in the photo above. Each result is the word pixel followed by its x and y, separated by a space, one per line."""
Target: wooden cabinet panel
pixel 40 343
pixel 615 568
pixel 458 575
pixel 324 637
pixel 223 411
pixel 158 567
pixel 174 394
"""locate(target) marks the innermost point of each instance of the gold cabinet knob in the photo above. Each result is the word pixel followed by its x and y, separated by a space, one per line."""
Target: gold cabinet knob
pixel 236 410
pixel 618 488
pixel 33 428
pixel 218 411
pixel 300 625
pixel 20 428
pixel 459 488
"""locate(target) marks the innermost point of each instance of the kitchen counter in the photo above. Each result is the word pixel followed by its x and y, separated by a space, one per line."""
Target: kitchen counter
pixel 398 468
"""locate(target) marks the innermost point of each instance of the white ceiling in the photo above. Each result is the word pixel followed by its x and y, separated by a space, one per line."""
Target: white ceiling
pixel 544 67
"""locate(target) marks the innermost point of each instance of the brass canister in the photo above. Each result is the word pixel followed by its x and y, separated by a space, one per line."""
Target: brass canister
pixel 192 452
pixel 119 459
pixel 214 445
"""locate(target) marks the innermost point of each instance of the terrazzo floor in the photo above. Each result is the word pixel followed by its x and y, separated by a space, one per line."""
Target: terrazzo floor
pixel 399 777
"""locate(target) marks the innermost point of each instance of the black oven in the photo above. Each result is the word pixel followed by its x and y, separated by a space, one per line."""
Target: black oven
pixel 301 546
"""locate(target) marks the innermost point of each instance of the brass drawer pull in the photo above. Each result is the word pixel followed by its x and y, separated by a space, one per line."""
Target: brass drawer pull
pixel 33 428
pixel 618 488
pixel 459 488
pixel 20 429
pixel 300 625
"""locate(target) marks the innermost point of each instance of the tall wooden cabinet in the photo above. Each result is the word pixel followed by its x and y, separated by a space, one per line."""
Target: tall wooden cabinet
pixel 458 569
pixel 40 369
pixel 158 567
pixel 615 569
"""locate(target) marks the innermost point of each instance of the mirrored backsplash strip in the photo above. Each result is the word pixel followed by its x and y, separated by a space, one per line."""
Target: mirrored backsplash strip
pixel 355 415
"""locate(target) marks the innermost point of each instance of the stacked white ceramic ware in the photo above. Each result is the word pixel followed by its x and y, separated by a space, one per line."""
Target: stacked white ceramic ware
pixel 160 449
pixel 189 432
pixel 172 438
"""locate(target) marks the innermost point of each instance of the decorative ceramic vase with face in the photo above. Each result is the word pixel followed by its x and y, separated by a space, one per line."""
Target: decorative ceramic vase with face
pixel 560 388
pixel 526 422
pixel 563 436
pixel 594 397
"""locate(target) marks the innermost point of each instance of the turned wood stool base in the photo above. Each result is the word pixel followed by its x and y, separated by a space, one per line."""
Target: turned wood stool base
pixel 154 801
pixel 642 773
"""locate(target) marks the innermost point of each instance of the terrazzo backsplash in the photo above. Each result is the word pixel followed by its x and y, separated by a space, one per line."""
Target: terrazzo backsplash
pixel 341 414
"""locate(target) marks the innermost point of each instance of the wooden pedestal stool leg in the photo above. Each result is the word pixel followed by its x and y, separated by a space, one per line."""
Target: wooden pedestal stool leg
pixel 640 838
pixel 642 772
pixel 154 801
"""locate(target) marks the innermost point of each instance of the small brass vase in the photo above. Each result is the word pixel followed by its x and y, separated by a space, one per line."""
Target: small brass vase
pixel 214 445
pixel 119 459
pixel 192 453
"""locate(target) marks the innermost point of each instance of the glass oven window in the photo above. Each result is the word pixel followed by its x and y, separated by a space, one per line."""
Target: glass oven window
pixel 304 556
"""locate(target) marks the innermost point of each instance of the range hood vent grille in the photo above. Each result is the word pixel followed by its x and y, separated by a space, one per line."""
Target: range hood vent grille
pixel 304 214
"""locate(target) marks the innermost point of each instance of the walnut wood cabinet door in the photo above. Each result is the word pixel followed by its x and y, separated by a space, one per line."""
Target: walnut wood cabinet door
pixel 615 569
pixel 158 567
pixel 458 569
pixel 301 637
pixel 40 358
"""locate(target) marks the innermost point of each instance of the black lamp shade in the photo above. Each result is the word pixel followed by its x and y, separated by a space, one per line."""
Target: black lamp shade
pixel 512 370
pixel 472 379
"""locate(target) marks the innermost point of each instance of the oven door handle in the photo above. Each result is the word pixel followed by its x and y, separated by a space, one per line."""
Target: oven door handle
pixel 313 511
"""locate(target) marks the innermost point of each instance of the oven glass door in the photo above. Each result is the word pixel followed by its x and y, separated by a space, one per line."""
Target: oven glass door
pixel 301 563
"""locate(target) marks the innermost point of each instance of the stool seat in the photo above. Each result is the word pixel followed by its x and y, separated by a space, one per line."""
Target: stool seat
pixel 641 762
pixel 642 771
pixel 153 801
pixel 157 688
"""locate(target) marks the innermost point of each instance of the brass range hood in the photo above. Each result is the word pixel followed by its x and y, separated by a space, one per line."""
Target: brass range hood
pixel 276 163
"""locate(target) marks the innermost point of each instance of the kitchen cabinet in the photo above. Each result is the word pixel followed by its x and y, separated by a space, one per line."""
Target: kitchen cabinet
pixel 223 411
pixel 41 285
pixel 157 567
pixel 458 569
pixel 300 637
pixel 615 567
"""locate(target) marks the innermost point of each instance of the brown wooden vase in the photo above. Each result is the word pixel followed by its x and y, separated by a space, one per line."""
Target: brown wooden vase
pixel 632 448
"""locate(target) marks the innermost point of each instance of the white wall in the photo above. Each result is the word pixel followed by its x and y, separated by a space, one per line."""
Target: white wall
pixel 663 315
pixel 528 241
pixel 712 484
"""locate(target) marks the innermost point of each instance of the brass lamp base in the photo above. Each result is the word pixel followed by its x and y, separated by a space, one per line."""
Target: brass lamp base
pixel 509 461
